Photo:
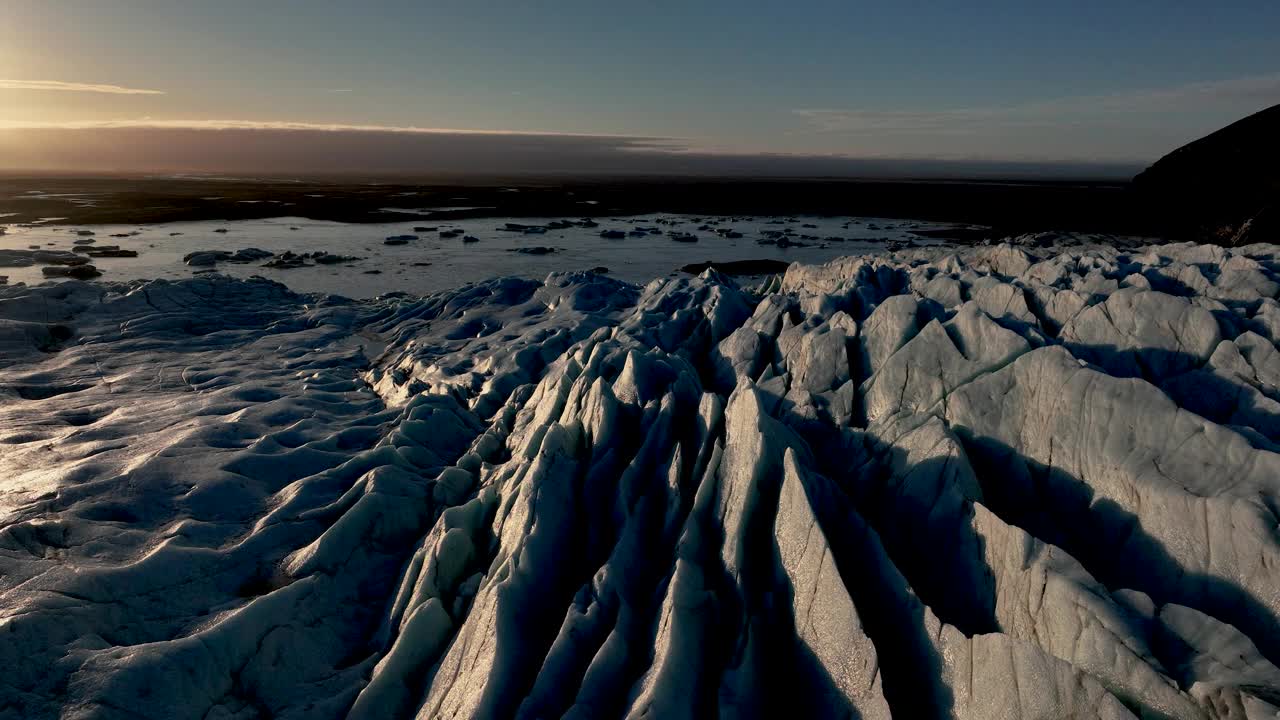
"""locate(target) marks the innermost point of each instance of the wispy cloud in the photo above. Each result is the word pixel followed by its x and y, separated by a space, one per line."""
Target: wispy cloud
pixel 58 85
pixel 1255 91
pixel 215 145
pixel 338 90
pixel 148 123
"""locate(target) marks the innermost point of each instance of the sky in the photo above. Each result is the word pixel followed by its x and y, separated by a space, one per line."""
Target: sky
pixel 177 84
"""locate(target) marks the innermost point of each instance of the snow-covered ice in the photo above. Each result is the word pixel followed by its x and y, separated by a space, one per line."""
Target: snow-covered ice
pixel 1004 481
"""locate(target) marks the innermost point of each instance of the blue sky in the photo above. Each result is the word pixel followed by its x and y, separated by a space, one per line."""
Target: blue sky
pixel 986 79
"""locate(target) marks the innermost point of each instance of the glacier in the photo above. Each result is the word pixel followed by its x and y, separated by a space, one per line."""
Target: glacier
pixel 1004 481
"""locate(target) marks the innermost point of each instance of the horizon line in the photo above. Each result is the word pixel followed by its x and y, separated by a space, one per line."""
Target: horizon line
pixel 673 146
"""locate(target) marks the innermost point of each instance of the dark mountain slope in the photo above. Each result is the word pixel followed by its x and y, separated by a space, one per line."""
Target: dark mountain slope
pixel 1223 187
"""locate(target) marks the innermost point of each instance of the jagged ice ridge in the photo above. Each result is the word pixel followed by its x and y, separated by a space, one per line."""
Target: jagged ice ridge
pixel 986 483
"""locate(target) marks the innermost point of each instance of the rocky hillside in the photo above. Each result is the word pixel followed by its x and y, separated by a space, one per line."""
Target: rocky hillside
pixel 1224 187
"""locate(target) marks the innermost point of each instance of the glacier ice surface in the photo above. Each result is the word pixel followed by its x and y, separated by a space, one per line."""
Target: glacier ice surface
pixel 983 483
